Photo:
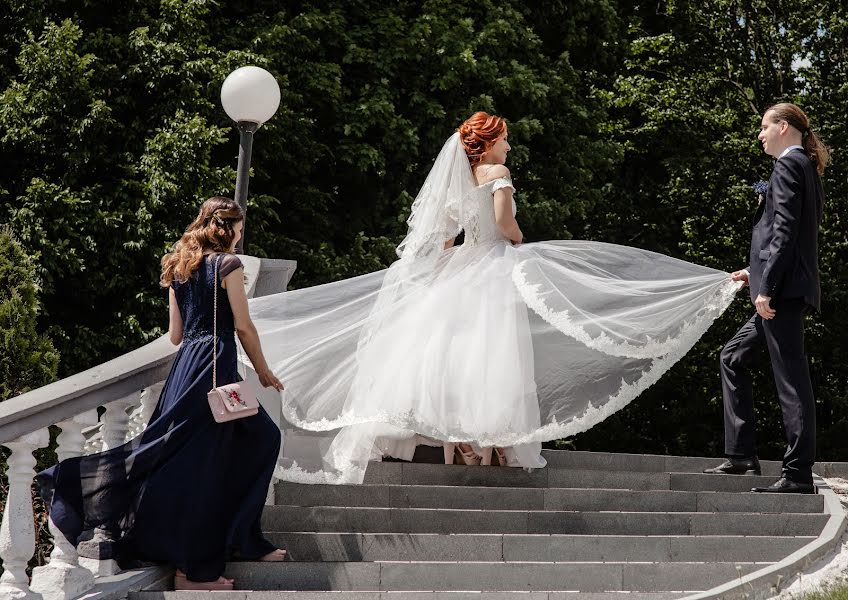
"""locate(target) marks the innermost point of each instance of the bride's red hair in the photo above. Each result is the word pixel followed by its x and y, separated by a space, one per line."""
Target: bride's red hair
pixel 479 133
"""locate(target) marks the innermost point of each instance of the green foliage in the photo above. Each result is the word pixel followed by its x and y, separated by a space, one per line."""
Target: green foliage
pixel 27 358
pixel 630 122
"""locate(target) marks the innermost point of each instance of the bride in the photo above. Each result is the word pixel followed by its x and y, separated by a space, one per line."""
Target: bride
pixel 490 344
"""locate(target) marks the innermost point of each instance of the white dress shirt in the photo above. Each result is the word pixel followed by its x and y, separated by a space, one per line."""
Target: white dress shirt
pixel 788 150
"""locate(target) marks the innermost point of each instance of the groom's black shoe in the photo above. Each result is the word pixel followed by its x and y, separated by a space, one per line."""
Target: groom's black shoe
pixel 737 466
pixel 787 486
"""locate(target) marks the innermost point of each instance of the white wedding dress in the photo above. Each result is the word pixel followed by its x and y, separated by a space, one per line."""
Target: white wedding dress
pixel 488 343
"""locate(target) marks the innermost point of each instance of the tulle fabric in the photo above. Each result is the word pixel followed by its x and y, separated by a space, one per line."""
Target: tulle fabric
pixel 438 211
pixel 489 343
pixel 486 343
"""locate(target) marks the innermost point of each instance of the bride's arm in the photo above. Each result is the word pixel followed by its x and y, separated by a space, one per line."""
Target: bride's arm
pixel 504 217
pixel 449 243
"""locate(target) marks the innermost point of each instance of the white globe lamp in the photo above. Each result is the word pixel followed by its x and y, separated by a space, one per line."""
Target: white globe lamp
pixel 250 94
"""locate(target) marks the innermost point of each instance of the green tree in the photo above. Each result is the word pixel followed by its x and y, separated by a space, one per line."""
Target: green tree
pixel 112 134
pixel 109 147
pixel 27 358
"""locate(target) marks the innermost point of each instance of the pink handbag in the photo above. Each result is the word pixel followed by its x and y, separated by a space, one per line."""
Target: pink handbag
pixel 234 400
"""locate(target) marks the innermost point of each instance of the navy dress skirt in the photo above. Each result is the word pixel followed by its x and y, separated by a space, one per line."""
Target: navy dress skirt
pixel 187 491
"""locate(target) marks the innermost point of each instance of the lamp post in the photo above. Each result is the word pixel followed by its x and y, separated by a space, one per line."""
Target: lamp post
pixel 250 96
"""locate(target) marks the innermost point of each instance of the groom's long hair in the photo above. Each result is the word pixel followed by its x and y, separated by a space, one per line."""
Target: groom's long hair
pixel 813 145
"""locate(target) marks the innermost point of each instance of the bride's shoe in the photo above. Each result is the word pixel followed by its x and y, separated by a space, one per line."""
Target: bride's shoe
pixel 466 457
pixel 486 456
pixel 500 457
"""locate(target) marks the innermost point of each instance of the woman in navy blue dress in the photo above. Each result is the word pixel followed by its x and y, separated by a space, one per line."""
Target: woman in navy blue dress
pixel 187 491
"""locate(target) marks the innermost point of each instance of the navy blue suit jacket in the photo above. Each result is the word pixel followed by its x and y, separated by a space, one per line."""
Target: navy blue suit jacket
pixel 784 242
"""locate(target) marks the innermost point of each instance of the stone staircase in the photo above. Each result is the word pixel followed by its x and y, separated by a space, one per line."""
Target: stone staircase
pixel 590 524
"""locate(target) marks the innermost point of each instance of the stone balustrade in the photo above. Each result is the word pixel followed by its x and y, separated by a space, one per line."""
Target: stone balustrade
pixel 124 393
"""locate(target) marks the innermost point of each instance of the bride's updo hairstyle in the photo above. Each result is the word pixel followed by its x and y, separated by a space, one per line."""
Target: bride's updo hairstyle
pixel 212 230
pixel 479 133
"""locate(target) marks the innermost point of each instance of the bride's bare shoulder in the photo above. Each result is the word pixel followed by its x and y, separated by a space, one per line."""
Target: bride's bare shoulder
pixel 491 173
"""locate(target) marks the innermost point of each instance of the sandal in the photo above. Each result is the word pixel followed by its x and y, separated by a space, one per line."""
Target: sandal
pixel 455 453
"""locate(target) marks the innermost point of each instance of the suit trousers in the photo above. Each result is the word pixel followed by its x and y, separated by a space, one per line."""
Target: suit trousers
pixel 783 336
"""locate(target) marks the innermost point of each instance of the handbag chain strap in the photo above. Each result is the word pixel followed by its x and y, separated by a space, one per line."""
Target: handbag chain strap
pixel 215 330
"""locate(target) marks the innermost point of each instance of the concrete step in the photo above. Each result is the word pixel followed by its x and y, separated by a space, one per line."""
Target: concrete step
pixel 405 595
pixel 397 473
pixel 428 547
pixel 421 520
pixel 473 497
pixel 485 576
pixel 701 482
pixel 641 462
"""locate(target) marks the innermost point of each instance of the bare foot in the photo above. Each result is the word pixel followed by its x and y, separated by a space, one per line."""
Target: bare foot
pixel 277 555
pixel 181 582
pixel 221 579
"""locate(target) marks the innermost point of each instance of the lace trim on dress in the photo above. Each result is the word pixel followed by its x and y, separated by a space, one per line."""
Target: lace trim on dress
pixel 629 391
pixel 445 227
pixel 590 417
pixel 296 474
pixel 712 309
pixel 471 223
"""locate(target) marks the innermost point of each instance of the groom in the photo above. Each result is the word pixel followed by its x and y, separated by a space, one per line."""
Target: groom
pixel 784 279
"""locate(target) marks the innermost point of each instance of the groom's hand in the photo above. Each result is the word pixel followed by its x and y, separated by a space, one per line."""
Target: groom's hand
pixel 763 308
pixel 740 276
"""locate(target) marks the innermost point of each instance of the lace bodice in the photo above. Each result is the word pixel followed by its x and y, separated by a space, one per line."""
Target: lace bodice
pixel 195 298
pixel 478 216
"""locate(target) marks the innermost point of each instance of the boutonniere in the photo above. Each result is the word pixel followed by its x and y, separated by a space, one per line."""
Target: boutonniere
pixel 760 191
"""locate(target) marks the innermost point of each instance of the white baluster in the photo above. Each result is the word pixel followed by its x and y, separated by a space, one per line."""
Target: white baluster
pixel 141 415
pixel 17 531
pixel 115 421
pixel 93 439
pixel 149 400
pixel 134 426
pixel 63 578
pixel 95 554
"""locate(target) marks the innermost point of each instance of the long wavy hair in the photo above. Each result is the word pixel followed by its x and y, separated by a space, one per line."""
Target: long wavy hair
pixel 212 230
pixel 813 146
pixel 479 133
